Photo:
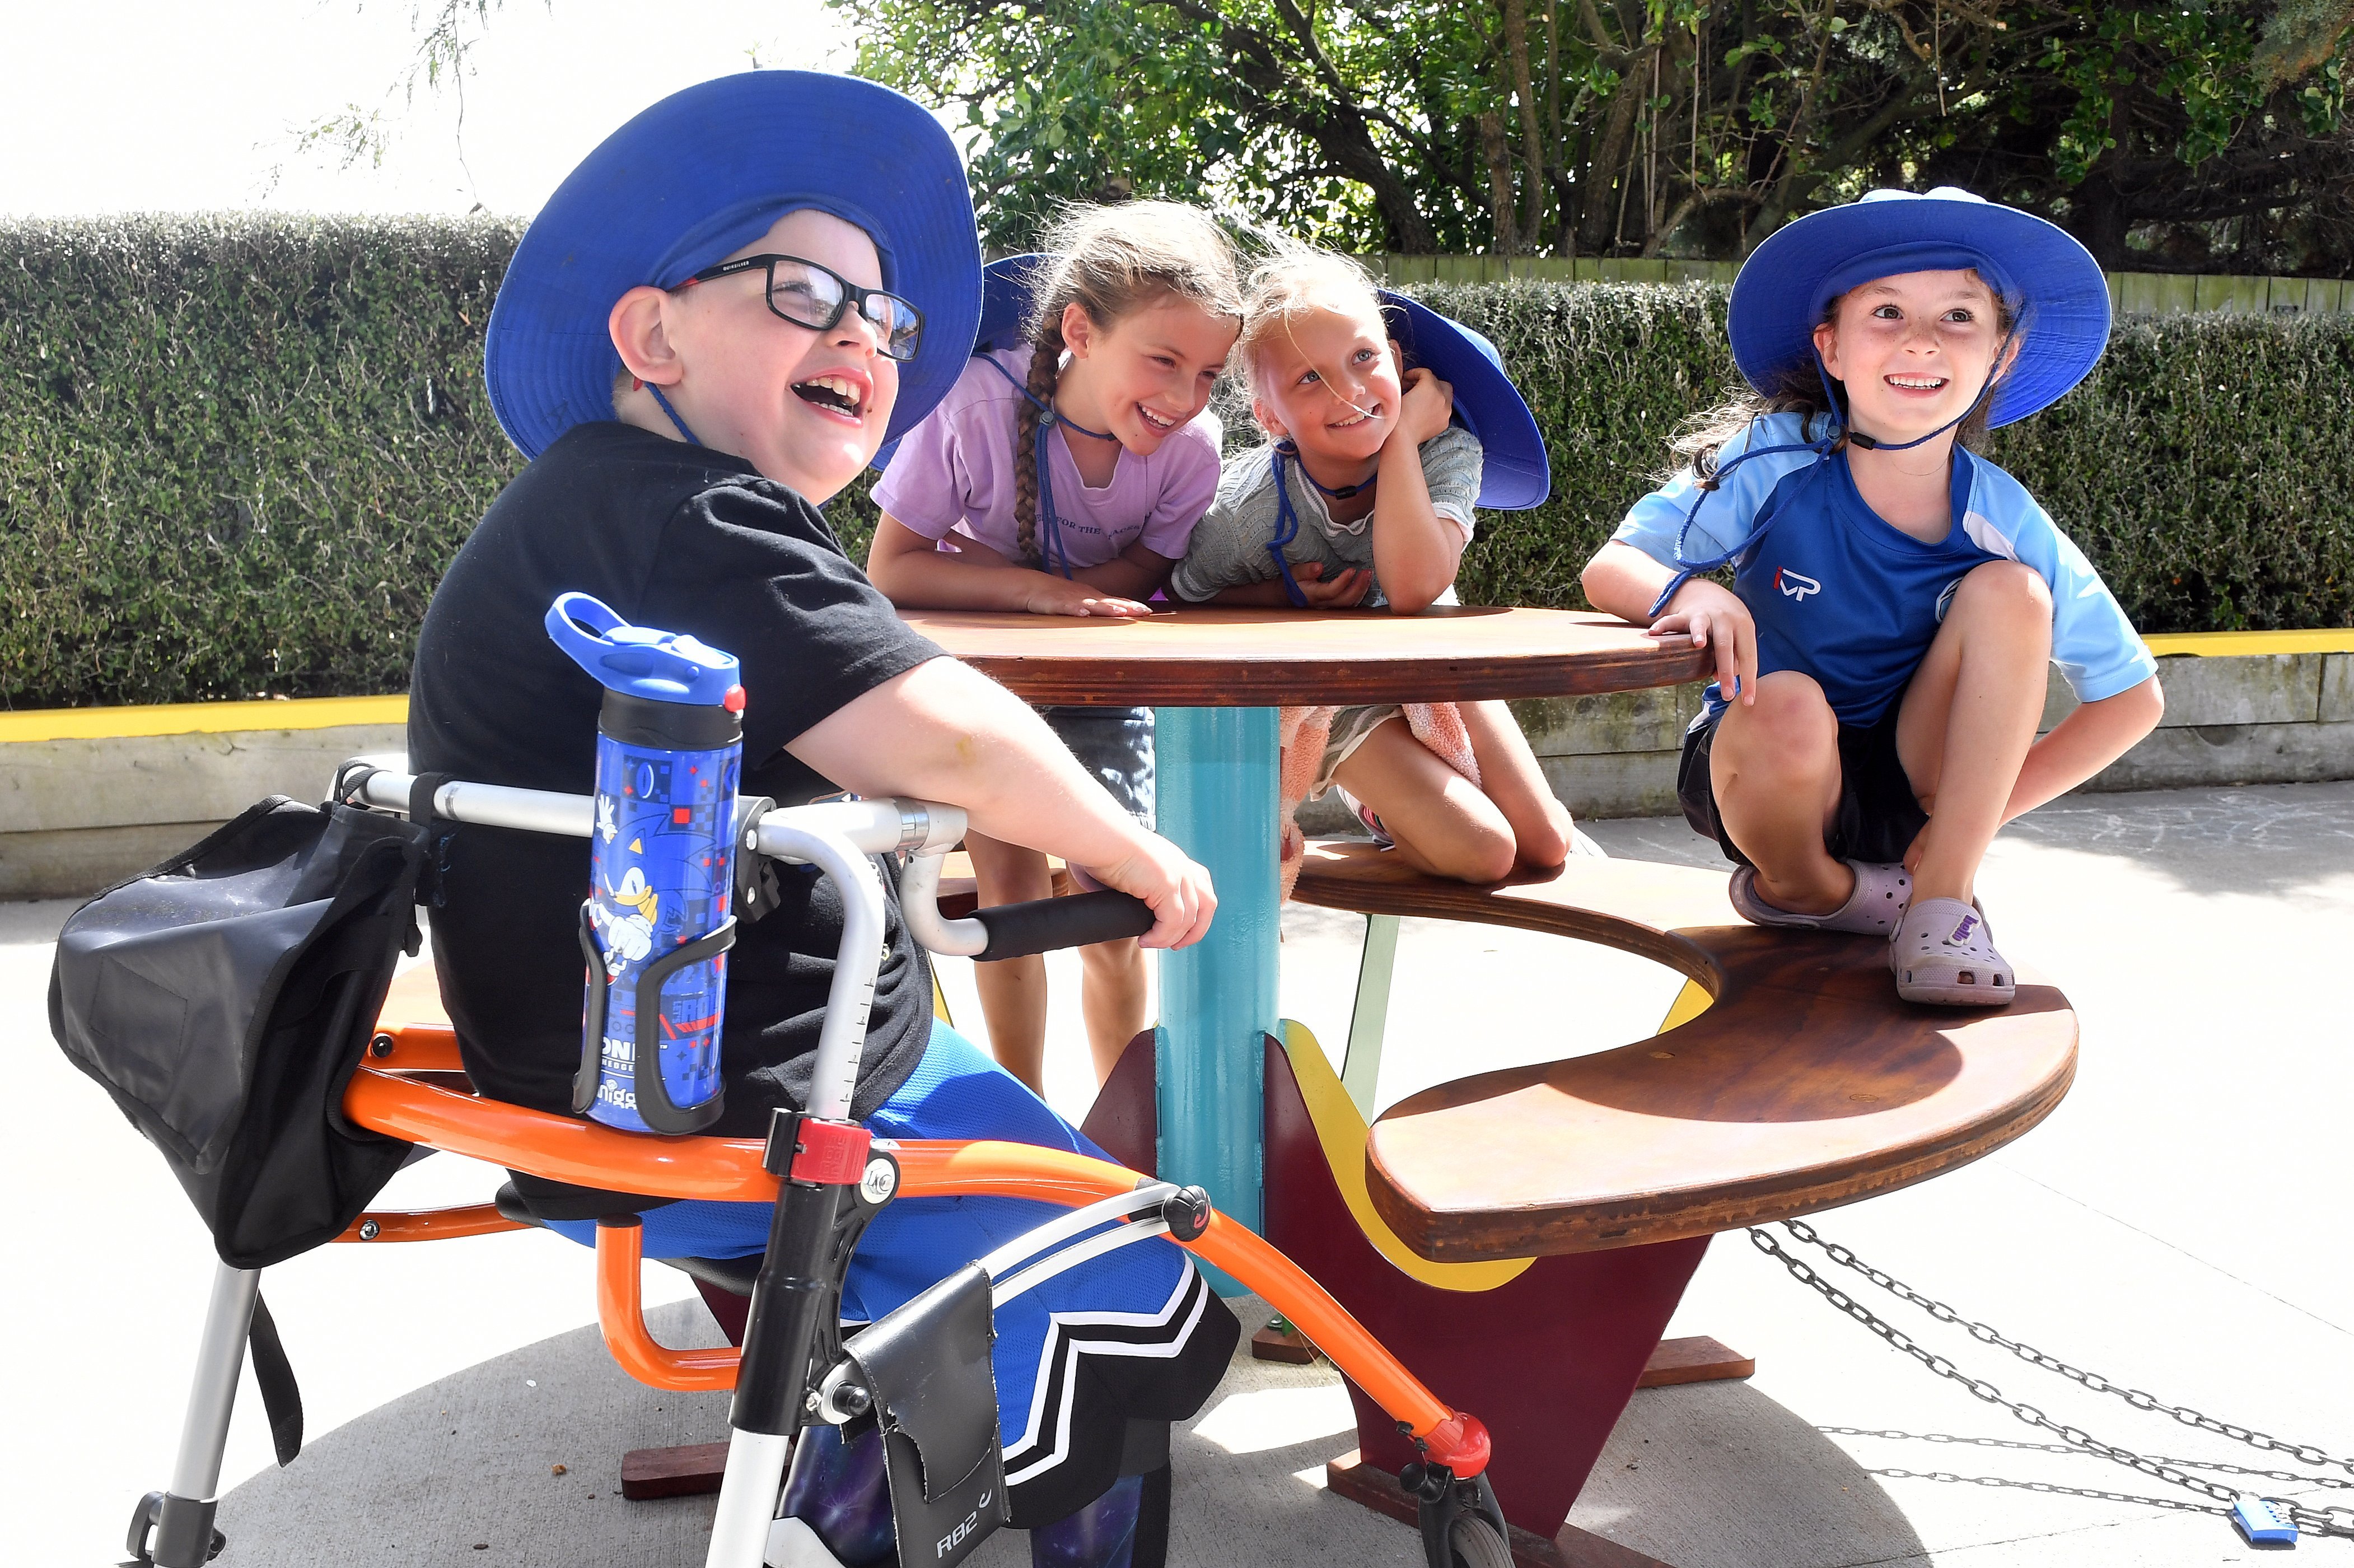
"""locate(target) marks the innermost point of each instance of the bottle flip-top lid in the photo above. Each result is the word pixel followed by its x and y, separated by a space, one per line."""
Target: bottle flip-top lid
pixel 641 662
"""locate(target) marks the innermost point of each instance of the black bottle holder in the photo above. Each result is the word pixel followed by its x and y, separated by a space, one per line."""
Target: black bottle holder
pixel 653 1102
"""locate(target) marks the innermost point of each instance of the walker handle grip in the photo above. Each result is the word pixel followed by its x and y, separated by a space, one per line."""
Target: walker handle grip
pixel 1017 931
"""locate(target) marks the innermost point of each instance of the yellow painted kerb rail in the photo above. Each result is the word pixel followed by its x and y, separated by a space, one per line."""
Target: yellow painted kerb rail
pixel 2244 644
pixel 332 713
pixel 201 718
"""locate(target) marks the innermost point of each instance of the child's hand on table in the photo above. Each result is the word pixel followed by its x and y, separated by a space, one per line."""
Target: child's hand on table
pixel 1345 591
pixel 1711 614
pixel 1060 595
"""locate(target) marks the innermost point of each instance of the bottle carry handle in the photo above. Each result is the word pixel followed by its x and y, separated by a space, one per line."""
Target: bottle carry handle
pixel 662 665
pixel 565 619
pixel 661 1113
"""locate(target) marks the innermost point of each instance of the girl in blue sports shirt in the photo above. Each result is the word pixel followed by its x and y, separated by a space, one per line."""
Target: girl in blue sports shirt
pixel 1880 654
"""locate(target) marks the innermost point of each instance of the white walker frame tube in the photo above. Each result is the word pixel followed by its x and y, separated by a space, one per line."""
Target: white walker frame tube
pixel 834 835
pixel 181 1520
pixel 843 1036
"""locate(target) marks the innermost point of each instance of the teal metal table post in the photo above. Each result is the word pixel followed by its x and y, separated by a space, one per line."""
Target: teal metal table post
pixel 1215 773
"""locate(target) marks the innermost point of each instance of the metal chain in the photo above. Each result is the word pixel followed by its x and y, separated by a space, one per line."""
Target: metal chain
pixel 2333 1519
pixel 2214 1466
pixel 2048 1488
pixel 2303 1452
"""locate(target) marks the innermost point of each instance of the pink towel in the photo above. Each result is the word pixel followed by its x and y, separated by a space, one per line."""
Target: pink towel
pixel 1303 733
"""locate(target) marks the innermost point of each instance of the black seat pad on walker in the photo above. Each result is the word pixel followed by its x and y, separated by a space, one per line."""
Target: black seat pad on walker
pixel 934 1395
pixel 734 1274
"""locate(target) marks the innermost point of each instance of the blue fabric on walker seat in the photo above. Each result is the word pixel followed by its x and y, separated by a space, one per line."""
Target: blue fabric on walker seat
pixel 1140 1301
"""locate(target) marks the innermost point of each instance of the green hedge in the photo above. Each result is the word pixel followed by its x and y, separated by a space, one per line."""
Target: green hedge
pixel 240 452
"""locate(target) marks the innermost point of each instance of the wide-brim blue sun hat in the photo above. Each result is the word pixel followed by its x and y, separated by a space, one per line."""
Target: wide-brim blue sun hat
pixel 703 173
pixel 2054 288
pixel 1005 289
pixel 1514 473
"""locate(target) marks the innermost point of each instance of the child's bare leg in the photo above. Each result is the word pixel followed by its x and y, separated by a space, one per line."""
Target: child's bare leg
pixel 1775 767
pixel 1013 990
pixel 1969 716
pixel 1112 996
pixel 1509 776
pixel 1442 823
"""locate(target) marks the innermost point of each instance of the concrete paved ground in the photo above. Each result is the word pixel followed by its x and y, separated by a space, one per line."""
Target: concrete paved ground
pixel 2178 1224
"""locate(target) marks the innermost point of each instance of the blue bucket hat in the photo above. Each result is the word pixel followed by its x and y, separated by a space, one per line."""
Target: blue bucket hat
pixel 2052 285
pixel 1005 288
pixel 1515 473
pixel 703 173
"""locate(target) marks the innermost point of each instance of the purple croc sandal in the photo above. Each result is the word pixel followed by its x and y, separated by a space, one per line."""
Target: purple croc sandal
pixel 1881 894
pixel 1944 955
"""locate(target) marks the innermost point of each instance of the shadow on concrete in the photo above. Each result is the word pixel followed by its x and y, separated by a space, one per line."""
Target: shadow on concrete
pixel 1717 1475
pixel 463 1470
pixel 2267 839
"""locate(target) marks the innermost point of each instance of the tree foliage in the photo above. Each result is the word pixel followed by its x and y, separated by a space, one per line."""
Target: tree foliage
pixel 2169 134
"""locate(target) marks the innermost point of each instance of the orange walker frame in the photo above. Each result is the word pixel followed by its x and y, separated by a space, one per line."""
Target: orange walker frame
pixel 411 1086
pixel 388 1094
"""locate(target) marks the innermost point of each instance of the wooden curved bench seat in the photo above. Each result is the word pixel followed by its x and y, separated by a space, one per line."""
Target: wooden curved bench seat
pixel 1805 1084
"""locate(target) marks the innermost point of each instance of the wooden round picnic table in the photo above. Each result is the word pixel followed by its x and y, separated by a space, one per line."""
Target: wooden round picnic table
pixel 1217 678
pixel 1519 1238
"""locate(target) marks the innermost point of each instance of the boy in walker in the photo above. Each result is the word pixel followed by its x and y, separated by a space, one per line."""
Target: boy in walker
pixel 704 335
pixel 1881 655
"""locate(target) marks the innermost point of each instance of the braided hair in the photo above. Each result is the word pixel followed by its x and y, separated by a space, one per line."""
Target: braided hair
pixel 1110 261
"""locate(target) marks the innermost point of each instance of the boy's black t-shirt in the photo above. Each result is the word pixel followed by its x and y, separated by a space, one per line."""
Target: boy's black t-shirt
pixel 689 540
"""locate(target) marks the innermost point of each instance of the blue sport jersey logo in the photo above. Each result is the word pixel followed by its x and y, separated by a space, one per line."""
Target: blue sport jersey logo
pixel 1794 585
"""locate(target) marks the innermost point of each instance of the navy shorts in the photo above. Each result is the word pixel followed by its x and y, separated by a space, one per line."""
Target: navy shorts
pixel 1115 746
pixel 1878 815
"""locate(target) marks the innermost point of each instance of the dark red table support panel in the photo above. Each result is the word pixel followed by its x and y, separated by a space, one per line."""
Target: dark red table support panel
pixel 1548 1361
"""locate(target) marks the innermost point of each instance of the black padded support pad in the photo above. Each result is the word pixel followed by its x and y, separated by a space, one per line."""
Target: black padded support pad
pixel 736 1275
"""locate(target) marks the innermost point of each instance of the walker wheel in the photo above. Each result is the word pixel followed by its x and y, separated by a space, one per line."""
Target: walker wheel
pixel 1475 1543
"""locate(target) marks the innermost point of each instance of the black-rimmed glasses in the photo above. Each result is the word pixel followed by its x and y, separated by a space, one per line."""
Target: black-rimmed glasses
pixel 809 295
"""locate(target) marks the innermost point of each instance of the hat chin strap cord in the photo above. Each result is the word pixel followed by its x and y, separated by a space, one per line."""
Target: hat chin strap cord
pixel 1290 449
pixel 691 438
pixel 1049 525
pixel 1687 568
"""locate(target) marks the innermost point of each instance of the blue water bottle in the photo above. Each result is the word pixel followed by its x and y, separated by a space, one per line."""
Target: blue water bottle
pixel 657 925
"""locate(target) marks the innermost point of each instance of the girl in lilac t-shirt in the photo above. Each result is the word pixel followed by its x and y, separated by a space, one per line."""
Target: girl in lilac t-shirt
pixel 1129 324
